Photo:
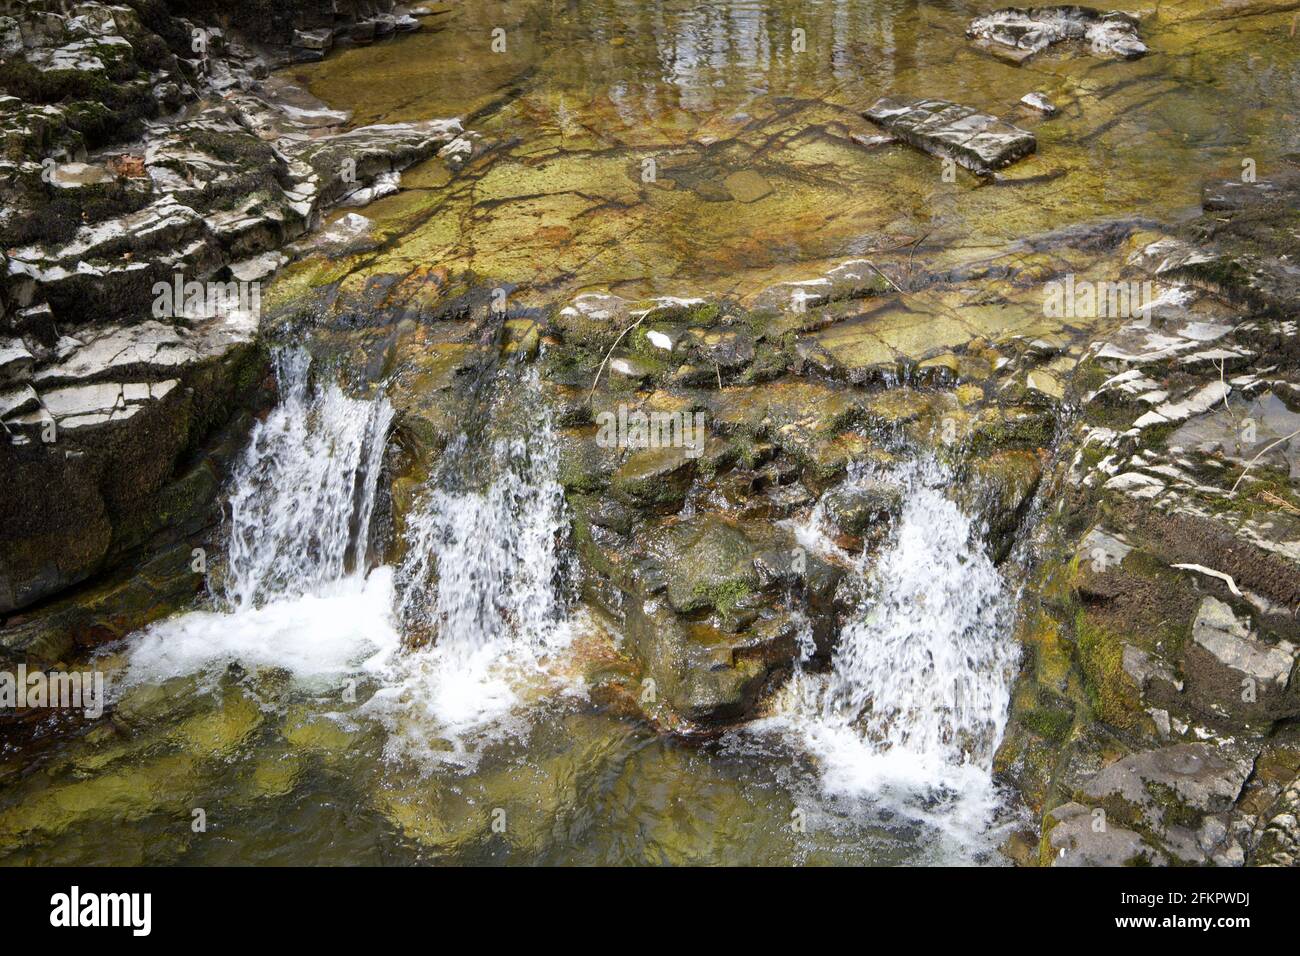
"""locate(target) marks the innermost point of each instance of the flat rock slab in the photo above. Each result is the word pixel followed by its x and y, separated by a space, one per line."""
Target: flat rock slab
pixel 1017 33
pixel 977 141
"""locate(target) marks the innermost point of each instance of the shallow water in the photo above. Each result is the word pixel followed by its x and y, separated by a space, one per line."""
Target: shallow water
pixel 330 715
pixel 586 93
pixel 306 717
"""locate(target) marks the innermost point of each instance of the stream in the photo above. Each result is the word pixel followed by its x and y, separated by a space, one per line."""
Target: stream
pixel 354 691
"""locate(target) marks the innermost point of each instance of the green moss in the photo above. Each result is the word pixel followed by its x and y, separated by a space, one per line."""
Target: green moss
pixel 1173 812
pixel 1025 431
pixel 745 450
pixel 1111 694
pixel 1052 723
pixel 1250 500
pixel 725 596
pixel 704 315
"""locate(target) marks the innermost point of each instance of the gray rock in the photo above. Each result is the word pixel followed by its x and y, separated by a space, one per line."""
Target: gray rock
pixel 976 140
pixel 15 361
pixel 1079 839
pixel 854 508
pixel 18 401
pixel 1197 778
pixel 1017 34
pixel 1231 672
pixel 1039 102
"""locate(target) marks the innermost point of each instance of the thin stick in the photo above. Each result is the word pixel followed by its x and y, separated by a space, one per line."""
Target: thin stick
pixel 883 276
pixel 596 380
pixel 1264 452
pixel 912 255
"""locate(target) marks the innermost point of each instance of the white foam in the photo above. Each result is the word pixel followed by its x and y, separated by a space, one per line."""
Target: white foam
pixel 916 701
pixel 342 628
pixel 482 575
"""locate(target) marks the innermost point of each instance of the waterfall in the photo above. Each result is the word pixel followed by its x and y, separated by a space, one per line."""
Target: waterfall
pixel 304 491
pixel 482 578
pixel 295 594
pixel 492 551
pixel 916 699
pixel 924 666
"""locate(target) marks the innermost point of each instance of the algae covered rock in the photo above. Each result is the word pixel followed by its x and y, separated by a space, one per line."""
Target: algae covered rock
pixel 1076 837
pixel 655 480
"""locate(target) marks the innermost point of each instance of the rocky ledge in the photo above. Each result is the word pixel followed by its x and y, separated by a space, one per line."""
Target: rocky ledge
pixel 1155 717
pixel 135 240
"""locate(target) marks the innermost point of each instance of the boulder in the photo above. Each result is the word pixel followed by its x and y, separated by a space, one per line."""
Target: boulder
pixel 1230 671
pixel 1075 837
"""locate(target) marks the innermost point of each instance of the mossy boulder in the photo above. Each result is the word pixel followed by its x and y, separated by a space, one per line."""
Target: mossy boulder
pixel 655 480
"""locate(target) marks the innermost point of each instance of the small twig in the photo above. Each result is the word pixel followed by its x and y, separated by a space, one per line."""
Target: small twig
pixel 1226 390
pixel 591 395
pixel 1202 569
pixel 1262 453
pixel 912 255
pixel 883 276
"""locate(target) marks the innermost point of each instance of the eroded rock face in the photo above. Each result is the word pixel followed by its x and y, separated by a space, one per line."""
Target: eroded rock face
pixel 1019 33
pixel 975 140
pixel 93 462
pixel 690 547
pixel 130 294
pixel 1164 646
pixel 1230 670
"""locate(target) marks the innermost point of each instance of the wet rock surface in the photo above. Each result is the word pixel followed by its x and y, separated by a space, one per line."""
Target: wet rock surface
pixel 1176 608
pixel 1017 34
pixel 979 142
pixel 130 301
pixel 1153 721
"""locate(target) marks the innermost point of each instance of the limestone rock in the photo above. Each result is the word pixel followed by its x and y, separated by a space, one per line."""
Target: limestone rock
pixel 977 141
pixel 1075 840
pixel 1017 34
pixel 1230 671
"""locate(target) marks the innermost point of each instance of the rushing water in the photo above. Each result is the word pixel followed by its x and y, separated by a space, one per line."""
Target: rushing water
pixel 434 693
pixel 295 592
pixel 481 581
pixel 915 703
pixel 323 709
pixel 304 492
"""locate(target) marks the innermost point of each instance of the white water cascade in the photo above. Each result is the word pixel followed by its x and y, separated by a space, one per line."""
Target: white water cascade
pixel 303 494
pixel 916 700
pixel 295 593
pixel 481 573
pixel 482 576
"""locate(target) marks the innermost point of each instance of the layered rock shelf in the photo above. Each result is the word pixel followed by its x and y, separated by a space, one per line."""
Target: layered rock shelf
pixel 652 439
pixel 116 352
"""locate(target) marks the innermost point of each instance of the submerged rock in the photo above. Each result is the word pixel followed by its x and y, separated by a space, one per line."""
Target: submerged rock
pixel 977 141
pixel 1018 33
pixel 1039 102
